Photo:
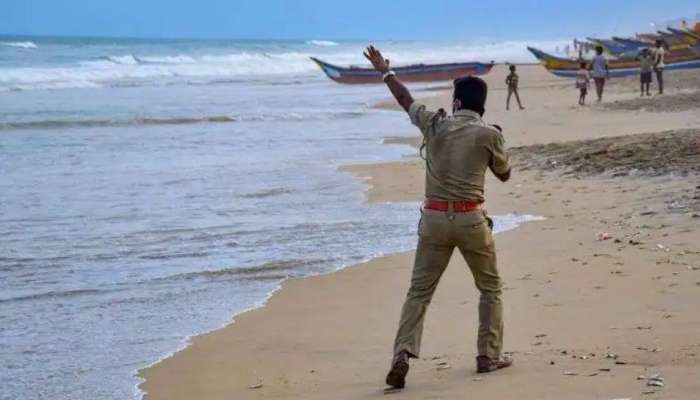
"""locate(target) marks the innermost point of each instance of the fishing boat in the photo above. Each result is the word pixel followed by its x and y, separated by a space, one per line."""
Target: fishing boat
pixel 691 37
pixel 568 67
pixel 675 40
pixel 632 42
pixel 613 46
pixel 409 73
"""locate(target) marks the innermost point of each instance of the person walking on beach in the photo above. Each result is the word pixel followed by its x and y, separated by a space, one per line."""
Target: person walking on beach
pixel 646 62
pixel 583 82
pixel 459 149
pixel 512 83
pixel 599 65
pixel 659 65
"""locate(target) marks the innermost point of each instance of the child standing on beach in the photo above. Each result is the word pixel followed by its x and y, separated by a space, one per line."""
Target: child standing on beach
pixel 583 82
pixel 646 63
pixel 512 82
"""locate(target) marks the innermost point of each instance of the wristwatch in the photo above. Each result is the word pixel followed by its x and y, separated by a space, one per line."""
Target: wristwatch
pixel 388 74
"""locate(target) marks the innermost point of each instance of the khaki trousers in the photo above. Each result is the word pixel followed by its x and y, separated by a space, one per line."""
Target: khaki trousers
pixel 439 233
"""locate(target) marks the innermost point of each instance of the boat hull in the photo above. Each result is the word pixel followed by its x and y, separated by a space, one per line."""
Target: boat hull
pixel 413 73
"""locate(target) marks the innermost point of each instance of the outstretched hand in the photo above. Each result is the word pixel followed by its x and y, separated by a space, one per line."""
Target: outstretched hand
pixel 378 61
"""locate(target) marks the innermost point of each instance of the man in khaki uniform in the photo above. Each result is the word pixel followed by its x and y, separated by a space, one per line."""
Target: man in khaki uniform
pixel 458 151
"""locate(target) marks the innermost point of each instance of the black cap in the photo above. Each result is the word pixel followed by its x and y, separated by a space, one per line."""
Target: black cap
pixel 471 92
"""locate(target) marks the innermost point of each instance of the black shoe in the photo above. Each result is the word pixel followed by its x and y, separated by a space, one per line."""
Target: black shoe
pixel 396 377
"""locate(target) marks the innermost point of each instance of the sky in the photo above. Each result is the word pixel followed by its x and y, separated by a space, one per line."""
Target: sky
pixel 333 20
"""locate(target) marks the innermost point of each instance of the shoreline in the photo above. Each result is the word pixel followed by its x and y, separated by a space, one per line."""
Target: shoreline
pixel 279 347
pixel 356 170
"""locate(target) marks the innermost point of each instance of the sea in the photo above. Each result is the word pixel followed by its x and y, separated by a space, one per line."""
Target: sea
pixel 152 189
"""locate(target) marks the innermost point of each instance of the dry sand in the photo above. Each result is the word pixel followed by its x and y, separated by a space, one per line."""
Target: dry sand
pixel 585 318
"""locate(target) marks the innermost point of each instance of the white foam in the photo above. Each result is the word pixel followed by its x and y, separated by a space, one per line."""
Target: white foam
pixel 150 70
pixel 124 60
pixel 23 45
pixel 322 43
pixel 179 59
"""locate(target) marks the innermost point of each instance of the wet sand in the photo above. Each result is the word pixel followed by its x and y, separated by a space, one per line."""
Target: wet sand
pixel 585 318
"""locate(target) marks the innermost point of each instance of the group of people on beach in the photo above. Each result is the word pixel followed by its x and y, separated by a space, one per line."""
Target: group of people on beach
pixel 599 71
pixel 649 61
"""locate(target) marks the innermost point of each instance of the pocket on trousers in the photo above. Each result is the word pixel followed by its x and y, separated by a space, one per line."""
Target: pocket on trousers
pixel 432 226
pixel 477 235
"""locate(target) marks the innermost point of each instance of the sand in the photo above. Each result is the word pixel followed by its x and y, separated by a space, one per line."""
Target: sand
pixel 585 318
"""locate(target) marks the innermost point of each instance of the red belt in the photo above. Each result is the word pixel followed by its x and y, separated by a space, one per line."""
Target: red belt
pixel 457 205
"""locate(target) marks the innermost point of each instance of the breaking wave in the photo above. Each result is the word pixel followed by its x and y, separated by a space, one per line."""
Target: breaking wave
pixel 57 294
pixel 322 43
pixel 250 63
pixel 272 270
pixel 92 123
pixel 129 69
pixel 177 120
pixel 22 45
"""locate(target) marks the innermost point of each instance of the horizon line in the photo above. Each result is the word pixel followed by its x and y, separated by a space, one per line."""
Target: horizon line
pixel 214 38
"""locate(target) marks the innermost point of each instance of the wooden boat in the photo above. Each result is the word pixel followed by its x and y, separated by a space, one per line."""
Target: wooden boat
pixel 613 46
pixel 632 42
pixel 691 37
pixel 628 47
pixel 675 39
pixel 409 73
pixel 568 67
pixel 649 37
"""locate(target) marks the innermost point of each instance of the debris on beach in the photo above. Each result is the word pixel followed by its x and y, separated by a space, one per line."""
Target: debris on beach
pixel 569 373
pixel 442 365
pixel 651 350
pixel 256 386
pixel 603 236
pixel 655 380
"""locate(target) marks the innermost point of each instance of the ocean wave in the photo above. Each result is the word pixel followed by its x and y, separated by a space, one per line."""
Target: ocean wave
pixel 122 60
pixel 138 70
pixel 179 120
pixel 55 294
pixel 93 123
pixel 22 45
pixel 250 64
pixel 266 193
pixel 322 43
pixel 130 59
pixel 278 269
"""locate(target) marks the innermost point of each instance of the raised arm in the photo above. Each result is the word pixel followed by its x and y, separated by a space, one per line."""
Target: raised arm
pixel 381 64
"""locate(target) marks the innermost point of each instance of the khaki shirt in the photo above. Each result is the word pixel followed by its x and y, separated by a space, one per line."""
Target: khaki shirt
pixel 458 150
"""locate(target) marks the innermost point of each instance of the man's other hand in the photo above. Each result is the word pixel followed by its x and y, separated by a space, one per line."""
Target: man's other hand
pixel 378 61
